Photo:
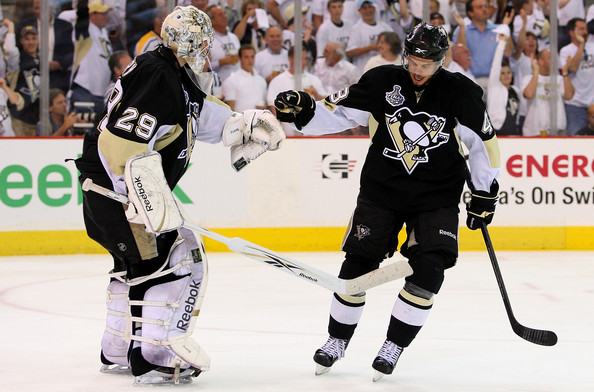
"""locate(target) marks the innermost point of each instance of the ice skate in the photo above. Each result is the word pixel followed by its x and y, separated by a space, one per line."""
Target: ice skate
pixel 329 353
pixel 166 376
pixel 109 367
pixel 386 359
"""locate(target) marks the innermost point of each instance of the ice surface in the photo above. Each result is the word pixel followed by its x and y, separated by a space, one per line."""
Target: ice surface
pixel 261 327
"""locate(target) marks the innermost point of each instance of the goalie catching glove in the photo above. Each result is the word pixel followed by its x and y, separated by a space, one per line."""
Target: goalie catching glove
pixel 482 207
pixel 250 134
pixel 295 106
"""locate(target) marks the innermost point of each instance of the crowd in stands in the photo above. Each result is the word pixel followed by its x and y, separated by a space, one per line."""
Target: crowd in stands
pixel 502 45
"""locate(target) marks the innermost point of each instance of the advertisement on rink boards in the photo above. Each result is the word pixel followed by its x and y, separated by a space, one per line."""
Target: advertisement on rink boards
pixel 310 182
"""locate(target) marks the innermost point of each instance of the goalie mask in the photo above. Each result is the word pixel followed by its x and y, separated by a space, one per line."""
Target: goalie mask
pixel 426 42
pixel 189 33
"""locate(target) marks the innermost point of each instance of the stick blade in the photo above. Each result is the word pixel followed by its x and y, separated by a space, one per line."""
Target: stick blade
pixel 536 336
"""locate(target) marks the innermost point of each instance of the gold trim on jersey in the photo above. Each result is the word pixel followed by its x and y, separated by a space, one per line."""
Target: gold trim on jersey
pixel 373 126
pixel 492 146
pixel 145 242
pixel 116 150
pixel 214 99
pixel 169 137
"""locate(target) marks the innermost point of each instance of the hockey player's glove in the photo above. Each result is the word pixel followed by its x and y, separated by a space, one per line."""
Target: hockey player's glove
pixel 482 207
pixel 295 106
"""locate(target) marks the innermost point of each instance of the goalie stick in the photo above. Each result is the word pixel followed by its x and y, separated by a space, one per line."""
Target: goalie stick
pixel 536 336
pixel 392 271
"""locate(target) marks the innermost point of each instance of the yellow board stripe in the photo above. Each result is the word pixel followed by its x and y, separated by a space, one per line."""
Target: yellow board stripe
pixel 306 239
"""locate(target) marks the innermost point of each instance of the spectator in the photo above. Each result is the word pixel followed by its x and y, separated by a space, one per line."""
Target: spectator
pixel 389 47
pixel 461 61
pixel 274 10
pixel 590 23
pixel 274 59
pixel 437 19
pixel 333 70
pixel 289 32
pixel 118 61
pixel 247 29
pixel 363 42
pixel 333 29
pixel 61 121
pixel 129 18
pixel 535 22
pixel 481 40
pixel 567 10
pixel 286 81
pixel 536 89
pixel 92 50
pixel 579 54
pixel 321 13
pixel 61 48
pixel 503 100
pixel 588 130
pixel 224 59
pixel 396 15
pixel 9 55
pixel 245 89
pixel 25 82
pixel 521 61
pixel 202 5
pixel 7 96
pixel 152 39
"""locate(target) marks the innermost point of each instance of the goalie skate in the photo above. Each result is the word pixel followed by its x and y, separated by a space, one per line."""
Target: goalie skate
pixel 165 376
pixel 109 367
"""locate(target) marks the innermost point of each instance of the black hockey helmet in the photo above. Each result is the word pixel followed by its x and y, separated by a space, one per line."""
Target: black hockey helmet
pixel 427 42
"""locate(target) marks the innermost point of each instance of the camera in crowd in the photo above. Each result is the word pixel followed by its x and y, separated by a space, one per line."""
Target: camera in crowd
pixel 85 117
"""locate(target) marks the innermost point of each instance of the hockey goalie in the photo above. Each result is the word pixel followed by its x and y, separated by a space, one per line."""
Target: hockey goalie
pixel 142 147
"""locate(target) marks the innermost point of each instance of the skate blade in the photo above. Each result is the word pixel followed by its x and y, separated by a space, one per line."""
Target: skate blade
pixel 377 376
pixel 155 378
pixel 115 369
pixel 322 369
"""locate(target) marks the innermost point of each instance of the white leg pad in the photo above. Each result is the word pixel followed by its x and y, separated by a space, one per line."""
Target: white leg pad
pixel 169 310
pixel 116 337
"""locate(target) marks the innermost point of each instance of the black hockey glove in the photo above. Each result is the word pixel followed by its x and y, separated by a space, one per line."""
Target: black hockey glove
pixel 482 207
pixel 295 106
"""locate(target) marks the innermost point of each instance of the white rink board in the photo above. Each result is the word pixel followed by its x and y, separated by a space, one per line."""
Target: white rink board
pixel 310 182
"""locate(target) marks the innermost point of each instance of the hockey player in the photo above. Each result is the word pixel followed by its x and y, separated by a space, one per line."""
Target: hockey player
pixel 414 173
pixel 159 278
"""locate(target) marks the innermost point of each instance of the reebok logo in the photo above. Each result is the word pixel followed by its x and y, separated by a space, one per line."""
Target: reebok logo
pixel 189 305
pixel 448 233
pixel 307 277
pixel 142 194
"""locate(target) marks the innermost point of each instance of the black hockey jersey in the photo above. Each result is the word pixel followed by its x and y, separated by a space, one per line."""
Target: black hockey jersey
pixel 155 106
pixel 415 161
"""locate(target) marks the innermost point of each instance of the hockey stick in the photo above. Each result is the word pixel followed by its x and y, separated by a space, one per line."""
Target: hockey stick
pixel 536 336
pixel 393 271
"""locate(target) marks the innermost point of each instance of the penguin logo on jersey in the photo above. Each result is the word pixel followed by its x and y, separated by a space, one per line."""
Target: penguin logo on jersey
pixel 362 232
pixel 413 134
pixel 394 97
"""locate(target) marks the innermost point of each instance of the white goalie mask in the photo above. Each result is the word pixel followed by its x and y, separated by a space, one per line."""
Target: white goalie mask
pixel 189 33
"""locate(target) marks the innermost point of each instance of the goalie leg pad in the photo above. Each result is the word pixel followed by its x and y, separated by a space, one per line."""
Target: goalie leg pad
pixel 116 338
pixel 166 312
pixel 150 195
